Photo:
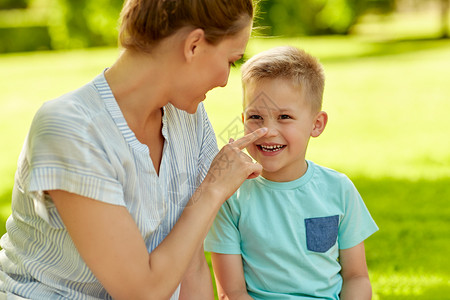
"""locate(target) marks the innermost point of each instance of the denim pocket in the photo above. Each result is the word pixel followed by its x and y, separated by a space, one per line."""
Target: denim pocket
pixel 321 233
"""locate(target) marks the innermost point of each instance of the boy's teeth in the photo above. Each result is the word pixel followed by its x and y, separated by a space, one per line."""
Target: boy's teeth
pixel 271 148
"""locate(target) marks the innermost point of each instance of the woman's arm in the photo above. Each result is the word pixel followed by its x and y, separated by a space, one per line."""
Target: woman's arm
pixel 110 243
pixel 112 246
pixel 354 273
pixel 196 283
pixel 229 273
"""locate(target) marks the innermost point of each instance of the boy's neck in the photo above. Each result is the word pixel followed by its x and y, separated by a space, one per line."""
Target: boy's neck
pixel 283 176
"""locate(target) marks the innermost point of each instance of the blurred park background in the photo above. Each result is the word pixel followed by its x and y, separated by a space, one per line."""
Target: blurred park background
pixel 387 94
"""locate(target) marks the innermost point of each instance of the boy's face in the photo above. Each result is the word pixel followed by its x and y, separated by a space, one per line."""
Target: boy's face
pixel 279 105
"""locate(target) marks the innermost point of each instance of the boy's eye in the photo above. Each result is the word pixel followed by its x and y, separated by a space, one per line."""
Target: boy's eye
pixel 254 117
pixel 284 117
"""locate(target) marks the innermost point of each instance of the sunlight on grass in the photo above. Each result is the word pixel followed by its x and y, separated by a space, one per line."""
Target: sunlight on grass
pixel 400 25
pixel 410 285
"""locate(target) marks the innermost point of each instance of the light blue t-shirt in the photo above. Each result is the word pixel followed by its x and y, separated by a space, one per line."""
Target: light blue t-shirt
pixel 82 144
pixel 289 233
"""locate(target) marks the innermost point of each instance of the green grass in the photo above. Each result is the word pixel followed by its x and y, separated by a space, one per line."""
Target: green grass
pixel 388 105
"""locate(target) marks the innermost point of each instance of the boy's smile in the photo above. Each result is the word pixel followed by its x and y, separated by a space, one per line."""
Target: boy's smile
pixel 270 150
pixel 280 106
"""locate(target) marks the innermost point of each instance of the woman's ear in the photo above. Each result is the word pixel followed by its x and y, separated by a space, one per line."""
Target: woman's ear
pixel 320 121
pixel 192 42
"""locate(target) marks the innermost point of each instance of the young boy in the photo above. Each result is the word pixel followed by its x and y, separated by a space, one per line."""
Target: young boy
pixel 298 231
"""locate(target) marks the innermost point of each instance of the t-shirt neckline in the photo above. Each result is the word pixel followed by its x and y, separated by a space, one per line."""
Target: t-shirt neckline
pixel 305 178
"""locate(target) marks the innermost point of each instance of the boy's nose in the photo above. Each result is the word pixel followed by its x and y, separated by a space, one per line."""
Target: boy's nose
pixel 272 131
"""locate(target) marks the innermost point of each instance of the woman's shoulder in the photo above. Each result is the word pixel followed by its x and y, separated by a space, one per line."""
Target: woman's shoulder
pixel 81 102
pixel 70 114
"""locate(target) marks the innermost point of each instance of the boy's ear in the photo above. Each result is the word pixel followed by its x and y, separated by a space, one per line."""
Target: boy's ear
pixel 242 115
pixel 319 124
pixel 192 42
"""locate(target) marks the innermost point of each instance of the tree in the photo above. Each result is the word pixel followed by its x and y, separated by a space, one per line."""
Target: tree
pixel 86 23
pixel 315 17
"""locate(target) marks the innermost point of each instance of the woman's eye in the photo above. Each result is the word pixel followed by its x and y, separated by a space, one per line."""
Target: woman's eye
pixel 284 117
pixel 237 62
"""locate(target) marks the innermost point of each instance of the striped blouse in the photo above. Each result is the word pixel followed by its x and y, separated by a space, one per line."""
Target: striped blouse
pixel 81 143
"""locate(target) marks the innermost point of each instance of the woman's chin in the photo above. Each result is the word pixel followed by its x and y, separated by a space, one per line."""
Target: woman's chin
pixel 190 109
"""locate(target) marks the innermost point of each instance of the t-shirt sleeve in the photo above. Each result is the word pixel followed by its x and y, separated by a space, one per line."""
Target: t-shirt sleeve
pixel 64 151
pixel 357 224
pixel 224 236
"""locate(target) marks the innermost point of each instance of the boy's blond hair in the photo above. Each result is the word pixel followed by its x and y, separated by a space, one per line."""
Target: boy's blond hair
pixel 289 63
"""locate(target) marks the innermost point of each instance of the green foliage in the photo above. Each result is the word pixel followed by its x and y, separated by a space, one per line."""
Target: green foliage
pixel 84 23
pixel 32 38
pixel 13 4
pixel 315 17
pixel 67 24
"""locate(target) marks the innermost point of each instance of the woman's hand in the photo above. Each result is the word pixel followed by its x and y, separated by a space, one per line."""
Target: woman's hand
pixel 231 167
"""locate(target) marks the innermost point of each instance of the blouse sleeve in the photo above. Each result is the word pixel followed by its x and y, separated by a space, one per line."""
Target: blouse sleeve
pixel 65 151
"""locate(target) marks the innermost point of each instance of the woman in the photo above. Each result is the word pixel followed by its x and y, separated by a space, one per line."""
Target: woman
pixel 117 184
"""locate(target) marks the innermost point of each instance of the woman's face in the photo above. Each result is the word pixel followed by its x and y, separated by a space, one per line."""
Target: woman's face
pixel 209 69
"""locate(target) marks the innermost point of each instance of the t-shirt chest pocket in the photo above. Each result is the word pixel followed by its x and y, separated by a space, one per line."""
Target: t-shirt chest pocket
pixel 321 233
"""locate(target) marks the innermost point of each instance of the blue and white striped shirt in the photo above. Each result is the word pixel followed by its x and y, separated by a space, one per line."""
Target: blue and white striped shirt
pixel 81 143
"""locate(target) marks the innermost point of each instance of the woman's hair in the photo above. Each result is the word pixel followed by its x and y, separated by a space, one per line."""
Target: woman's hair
pixel 146 22
pixel 292 64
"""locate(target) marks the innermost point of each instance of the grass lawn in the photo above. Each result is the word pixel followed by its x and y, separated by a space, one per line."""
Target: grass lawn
pixel 388 105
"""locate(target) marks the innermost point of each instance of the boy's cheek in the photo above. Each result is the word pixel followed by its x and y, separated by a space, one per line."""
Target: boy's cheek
pixel 251 150
pixel 249 127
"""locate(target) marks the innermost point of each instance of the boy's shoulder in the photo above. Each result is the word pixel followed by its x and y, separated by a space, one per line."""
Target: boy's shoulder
pixel 331 181
pixel 327 172
pixel 315 173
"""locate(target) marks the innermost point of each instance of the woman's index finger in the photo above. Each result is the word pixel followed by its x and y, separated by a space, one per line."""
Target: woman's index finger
pixel 249 138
